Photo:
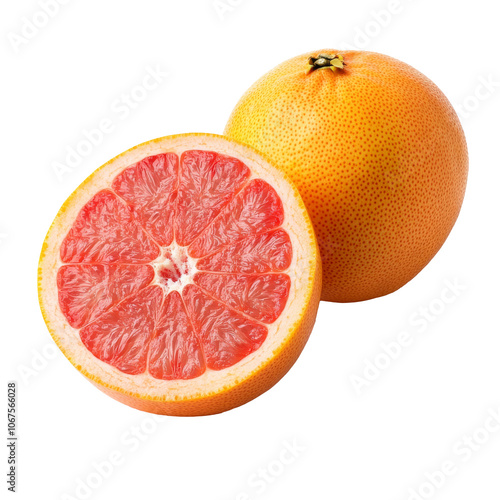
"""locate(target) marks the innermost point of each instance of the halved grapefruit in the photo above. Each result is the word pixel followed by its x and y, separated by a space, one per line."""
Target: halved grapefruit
pixel 183 276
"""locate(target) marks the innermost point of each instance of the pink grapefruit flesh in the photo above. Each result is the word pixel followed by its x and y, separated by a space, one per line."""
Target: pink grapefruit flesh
pixel 117 284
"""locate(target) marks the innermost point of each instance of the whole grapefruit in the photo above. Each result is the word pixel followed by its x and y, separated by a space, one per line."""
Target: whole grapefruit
pixel 377 153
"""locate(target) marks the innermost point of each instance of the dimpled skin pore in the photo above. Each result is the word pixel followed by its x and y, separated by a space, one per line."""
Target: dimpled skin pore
pixel 378 155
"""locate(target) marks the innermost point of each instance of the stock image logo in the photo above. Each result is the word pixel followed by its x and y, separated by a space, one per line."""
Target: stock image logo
pixel 121 108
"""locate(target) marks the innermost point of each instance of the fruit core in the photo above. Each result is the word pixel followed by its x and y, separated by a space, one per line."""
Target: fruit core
pixel 174 268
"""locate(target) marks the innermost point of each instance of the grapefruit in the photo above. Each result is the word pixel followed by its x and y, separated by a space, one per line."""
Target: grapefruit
pixel 377 153
pixel 183 276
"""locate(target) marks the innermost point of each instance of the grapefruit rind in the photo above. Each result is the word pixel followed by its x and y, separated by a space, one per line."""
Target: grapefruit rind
pixel 213 391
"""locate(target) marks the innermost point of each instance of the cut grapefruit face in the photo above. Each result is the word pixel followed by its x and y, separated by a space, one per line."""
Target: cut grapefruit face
pixel 182 277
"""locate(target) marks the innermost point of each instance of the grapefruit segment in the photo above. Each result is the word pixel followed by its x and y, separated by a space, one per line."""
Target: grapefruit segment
pixel 121 336
pixel 88 290
pixel 227 336
pixel 262 296
pixel 177 281
pixel 175 351
pixel 257 208
pixel 261 253
pixel 149 187
pixel 208 181
pixel 106 231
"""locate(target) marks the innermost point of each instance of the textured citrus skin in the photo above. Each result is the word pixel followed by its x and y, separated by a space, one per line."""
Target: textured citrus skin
pixel 206 402
pixel 378 155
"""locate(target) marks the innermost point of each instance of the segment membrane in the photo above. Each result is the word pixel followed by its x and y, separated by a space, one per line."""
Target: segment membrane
pixel 175 352
pixel 121 336
pixel 261 296
pixel 226 336
pixel 261 253
pixel 257 208
pixel 87 290
pixel 150 188
pixel 106 231
pixel 208 181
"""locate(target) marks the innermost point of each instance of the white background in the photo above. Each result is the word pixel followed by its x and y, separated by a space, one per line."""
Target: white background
pixel 377 444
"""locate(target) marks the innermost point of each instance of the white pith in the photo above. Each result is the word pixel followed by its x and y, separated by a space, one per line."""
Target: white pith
pixel 301 273
pixel 174 256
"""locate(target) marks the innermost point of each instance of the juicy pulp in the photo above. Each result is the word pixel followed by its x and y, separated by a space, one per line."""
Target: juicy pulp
pixel 177 267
